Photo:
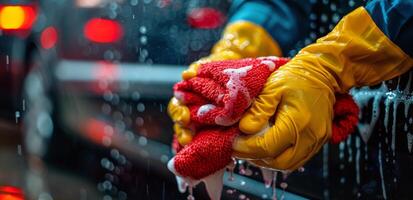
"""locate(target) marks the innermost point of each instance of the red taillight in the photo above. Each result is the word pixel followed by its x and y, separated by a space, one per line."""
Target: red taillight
pixel 16 17
pixel 206 18
pixel 11 193
pixel 103 30
pixel 49 37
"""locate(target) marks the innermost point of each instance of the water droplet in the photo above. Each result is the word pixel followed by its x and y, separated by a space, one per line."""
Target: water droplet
pixel 140 107
pixel 142 141
pixel 106 108
pixel 129 136
pixel 242 183
pixel 229 191
pixel 45 196
pixel 324 18
pixel 336 18
pixel 107 197
pixel 242 196
pixel 241 171
pixel 122 195
pixel 139 121
pixel 107 164
pixel 108 130
pixel 313 16
pixel 107 185
pixel 108 55
pixel 114 153
pixel 134 2
pixel 143 40
pixel 44 124
pixel 136 95
pixel 117 115
pixel 333 7
pixel 248 172
pixel 142 29
pixel 17 115
pixel 342 180
pixel 106 141
pixel 164 158
pixel 283 185
pixel 301 169
pixel 108 96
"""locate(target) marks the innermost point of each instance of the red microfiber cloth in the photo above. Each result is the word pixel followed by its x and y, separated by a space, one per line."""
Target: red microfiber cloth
pixel 217 97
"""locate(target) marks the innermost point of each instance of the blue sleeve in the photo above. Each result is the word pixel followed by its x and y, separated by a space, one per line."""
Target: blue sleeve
pixel 285 21
pixel 395 20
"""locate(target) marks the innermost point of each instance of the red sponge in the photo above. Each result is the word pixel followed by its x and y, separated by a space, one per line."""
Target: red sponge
pixel 218 96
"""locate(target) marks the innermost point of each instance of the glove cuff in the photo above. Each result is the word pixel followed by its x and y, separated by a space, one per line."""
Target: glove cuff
pixel 355 53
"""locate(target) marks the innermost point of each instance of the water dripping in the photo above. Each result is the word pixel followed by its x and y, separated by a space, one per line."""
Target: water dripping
pixel 349 149
pixel 17 115
pixel 358 160
pixel 19 149
pixel 231 168
pixel 409 141
pixel 381 173
pixel 362 97
pixel 7 62
pixel 284 186
pixel 274 183
pixel 190 196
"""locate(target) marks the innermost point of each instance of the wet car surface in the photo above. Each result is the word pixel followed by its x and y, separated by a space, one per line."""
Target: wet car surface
pixel 87 119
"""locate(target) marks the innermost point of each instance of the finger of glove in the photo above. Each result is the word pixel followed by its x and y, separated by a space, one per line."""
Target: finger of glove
pixel 296 156
pixel 311 136
pixel 262 108
pixel 183 135
pixel 178 112
pixel 274 140
pixel 291 118
pixel 191 71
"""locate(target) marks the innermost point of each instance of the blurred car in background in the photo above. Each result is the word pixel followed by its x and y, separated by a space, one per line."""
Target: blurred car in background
pixel 21 25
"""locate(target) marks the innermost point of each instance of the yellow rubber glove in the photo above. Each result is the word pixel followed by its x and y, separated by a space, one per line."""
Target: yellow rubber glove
pixel 300 95
pixel 241 39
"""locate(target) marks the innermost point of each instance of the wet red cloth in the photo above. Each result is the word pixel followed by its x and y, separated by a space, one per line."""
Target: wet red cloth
pixel 218 96
pixel 227 85
pixel 345 119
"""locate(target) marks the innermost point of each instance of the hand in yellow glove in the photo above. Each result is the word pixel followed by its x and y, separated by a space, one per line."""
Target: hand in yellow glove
pixel 300 95
pixel 240 40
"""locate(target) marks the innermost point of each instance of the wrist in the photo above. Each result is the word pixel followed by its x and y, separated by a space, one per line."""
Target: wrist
pixel 355 54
